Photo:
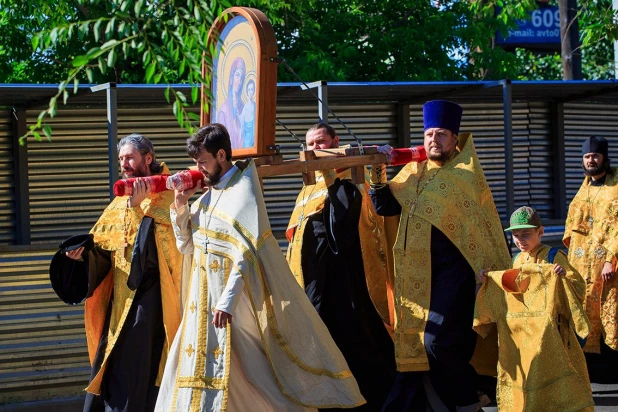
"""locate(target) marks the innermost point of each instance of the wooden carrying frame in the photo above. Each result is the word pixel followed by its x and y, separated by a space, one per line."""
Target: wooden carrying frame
pixel 263 46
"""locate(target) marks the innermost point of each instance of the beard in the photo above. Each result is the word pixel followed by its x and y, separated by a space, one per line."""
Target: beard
pixel 441 157
pixel 140 171
pixel 211 179
pixel 593 170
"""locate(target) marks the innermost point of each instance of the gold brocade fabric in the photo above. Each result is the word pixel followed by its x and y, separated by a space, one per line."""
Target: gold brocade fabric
pixel 371 230
pixel 541 364
pixel 119 224
pixel 456 199
pixel 591 234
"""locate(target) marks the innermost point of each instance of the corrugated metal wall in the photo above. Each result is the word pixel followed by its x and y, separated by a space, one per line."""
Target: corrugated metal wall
pixel 42 341
pixel 582 121
pixel 7 187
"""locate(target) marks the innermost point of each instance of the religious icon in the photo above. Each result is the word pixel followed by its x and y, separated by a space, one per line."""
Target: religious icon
pixel 244 81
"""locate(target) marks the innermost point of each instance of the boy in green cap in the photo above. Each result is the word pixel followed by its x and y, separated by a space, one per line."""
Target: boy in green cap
pixel 537 308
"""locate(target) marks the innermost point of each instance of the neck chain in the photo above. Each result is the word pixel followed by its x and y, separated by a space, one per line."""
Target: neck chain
pixel 591 202
pixel 420 189
pixel 207 223
pixel 305 201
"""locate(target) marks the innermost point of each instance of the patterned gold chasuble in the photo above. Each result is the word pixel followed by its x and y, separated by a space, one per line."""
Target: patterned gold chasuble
pixel 541 365
pixel 310 201
pixel 456 199
pixel 119 224
pixel 591 234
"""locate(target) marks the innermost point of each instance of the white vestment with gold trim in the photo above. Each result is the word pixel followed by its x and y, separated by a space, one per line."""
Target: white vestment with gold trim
pixel 276 355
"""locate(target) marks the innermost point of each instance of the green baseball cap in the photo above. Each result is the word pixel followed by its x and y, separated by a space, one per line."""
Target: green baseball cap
pixel 524 218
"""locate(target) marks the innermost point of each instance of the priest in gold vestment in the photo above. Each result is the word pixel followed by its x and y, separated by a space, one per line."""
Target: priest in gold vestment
pixel 449 229
pixel 250 340
pixel 591 234
pixel 129 279
pixel 537 309
pixel 337 252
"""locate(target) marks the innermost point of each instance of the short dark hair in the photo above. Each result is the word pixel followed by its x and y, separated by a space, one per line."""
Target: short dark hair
pixel 331 132
pixel 211 138
pixel 144 147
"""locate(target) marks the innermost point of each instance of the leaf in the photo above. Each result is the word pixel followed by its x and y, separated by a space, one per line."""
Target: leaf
pixel 150 71
pixel 47 130
pixel 111 58
pixel 194 93
pixel 102 65
pixel 80 61
pixel 35 42
pixel 110 43
pixel 193 116
pixel 90 75
pixel 167 94
pixel 37 136
pixel 97 29
pixel 138 7
pixel 75 85
pixel 65 97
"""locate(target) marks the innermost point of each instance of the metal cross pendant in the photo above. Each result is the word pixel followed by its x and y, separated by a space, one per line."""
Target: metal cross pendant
pixel 205 244
pixel 591 221
pixel 122 252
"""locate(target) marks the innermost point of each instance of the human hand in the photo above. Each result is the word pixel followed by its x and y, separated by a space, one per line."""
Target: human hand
pixel 141 188
pixel 221 319
pixel 482 275
pixel 559 270
pixel 75 254
pixel 181 197
pixel 608 271
pixel 386 149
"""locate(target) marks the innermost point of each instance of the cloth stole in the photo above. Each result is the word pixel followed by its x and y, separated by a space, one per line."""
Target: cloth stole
pixel 203 371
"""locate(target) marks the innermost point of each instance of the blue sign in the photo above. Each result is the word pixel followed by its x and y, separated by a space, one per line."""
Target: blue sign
pixel 542 28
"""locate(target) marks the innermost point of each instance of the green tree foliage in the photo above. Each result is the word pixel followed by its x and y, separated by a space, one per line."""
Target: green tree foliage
pixel 162 41
pixel 124 40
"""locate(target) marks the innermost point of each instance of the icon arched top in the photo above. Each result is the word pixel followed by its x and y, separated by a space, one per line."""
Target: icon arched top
pixel 243 88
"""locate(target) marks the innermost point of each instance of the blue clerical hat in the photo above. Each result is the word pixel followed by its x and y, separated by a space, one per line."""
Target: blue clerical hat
pixel 442 114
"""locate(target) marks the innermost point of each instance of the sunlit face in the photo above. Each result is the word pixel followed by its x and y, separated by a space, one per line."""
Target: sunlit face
pixel 593 164
pixel 210 166
pixel 237 79
pixel 439 144
pixel 320 139
pixel 527 239
pixel 132 163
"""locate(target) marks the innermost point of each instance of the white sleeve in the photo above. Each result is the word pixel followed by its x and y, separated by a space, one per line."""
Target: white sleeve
pixel 181 223
pixel 231 294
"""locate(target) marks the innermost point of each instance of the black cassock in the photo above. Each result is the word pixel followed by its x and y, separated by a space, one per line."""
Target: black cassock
pixel 128 384
pixel 335 283
pixel 449 337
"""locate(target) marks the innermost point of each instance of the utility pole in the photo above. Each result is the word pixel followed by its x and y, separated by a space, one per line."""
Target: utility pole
pixel 569 33
pixel 615 9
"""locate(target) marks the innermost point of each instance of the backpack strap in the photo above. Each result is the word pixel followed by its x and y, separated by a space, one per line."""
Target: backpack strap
pixel 552 254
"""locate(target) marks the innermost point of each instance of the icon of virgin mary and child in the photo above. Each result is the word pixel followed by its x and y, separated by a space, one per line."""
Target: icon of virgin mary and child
pixel 239 117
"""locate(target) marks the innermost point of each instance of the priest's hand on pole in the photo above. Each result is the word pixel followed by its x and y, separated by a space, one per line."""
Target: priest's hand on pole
pixel 75 254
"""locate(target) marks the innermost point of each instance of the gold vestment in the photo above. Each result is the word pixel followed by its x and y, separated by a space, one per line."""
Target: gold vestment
pixel 539 316
pixel 118 226
pixel 456 199
pixel 591 234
